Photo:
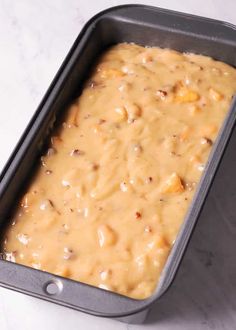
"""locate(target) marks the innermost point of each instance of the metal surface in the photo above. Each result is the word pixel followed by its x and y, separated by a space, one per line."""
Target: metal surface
pixel 147 26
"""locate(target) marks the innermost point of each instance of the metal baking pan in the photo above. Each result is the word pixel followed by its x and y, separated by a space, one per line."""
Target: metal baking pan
pixel 132 23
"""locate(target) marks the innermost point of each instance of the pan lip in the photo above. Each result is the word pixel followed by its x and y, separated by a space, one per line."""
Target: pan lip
pixel 91 23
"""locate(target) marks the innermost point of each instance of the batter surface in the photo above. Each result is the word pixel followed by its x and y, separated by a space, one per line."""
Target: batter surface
pixel 112 191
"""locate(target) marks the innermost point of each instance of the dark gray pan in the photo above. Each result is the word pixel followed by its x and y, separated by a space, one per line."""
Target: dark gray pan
pixel 132 23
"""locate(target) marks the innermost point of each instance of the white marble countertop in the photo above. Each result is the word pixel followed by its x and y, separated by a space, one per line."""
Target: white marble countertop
pixel 34 39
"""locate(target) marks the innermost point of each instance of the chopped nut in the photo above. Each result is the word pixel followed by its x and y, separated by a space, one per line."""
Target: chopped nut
pixel 68 254
pixel 28 199
pixel 205 140
pixel 123 186
pixel 51 151
pixel 42 159
pixel 173 153
pixel 129 69
pixel 131 120
pixel 148 229
pixel 208 131
pixel 124 87
pixel 95 166
pixel 65 183
pixel 162 94
pixel 77 152
pixel 104 287
pixel 25 201
pixel 66 227
pixel 84 211
pixel 138 215
pixel 149 179
pixel 101 121
pixel 48 172
pixel 146 57
pixel 104 274
pixel 92 166
pixel 9 256
pixel 23 238
pixel 93 84
pixel 87 116
pixel 190 185
pixel 36 265
pixel 56 140
pixel 47 204
pixel 201 167
pixel 138 148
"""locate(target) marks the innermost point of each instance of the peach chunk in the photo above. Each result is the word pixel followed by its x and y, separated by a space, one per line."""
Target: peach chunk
pixel 106 236
pixel 173 184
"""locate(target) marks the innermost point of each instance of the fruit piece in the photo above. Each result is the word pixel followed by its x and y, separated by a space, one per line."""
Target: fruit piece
pixel 121 114
pixel 194 109
pixel 173 184
pixel 184 135
pixel 184 94
pixel 215 95
pixel 107 73
pixel 133 111
pixel 106 236
pixel 71 119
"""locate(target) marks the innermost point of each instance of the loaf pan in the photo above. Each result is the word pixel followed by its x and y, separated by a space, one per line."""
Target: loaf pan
pixel 143 25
